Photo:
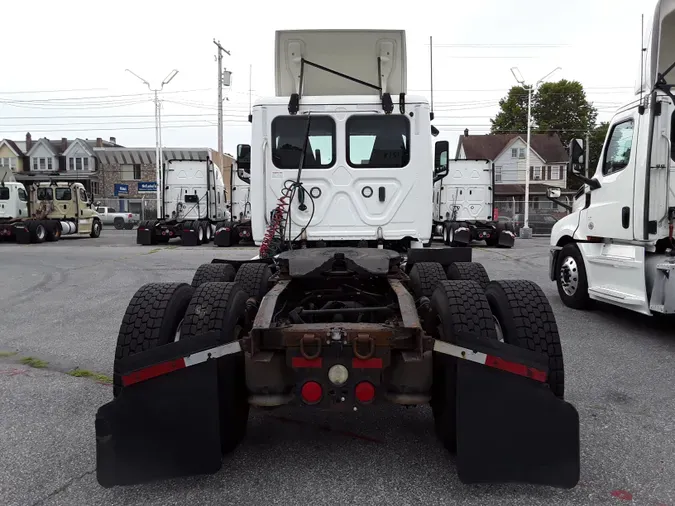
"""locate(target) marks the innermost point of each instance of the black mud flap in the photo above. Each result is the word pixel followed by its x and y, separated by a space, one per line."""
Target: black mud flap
pixel 462 237
pixel 506 239
pixel 164 427
pixel 145 236
pixel 189 238
pixel 223 237
pixel 22 234
pixel 512 428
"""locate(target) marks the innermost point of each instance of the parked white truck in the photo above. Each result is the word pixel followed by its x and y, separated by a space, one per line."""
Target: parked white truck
pixel 464 202
pixel 193 205
pixel 617 245
pixel 110 216
pixel 239 207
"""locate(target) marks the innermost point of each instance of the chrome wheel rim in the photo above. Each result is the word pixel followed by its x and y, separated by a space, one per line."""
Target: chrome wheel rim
pixel 569 276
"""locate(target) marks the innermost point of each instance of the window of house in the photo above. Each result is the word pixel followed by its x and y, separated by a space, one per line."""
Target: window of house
pixel 4 192
pixel 378 141
pixel 78 163
pixel 64 194
pixel 288 134
pixel 514 152
pixel 555 172
pixel 35 164
pixel 85 163
pixel 521 154
pixel 498 174
pixel 43 162
pixel 22 195
pixel 8 162
pixel 71 163
pixel 137 171
pixel 537 173
pixel 617 152
pixel 49 164
pixel 94 187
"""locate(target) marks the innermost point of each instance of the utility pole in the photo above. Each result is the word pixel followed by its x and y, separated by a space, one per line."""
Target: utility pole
pixel 526 231
pixel 221 50
pixel 158 133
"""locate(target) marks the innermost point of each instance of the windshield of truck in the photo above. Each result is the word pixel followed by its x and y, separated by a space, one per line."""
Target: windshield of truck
pixel 288 133
pixel 4 193
pixel 44 194
pixel 378 141
pixel 63 194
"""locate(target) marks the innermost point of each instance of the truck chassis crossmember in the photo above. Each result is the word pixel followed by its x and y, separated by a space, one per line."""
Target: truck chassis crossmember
pixel 338 329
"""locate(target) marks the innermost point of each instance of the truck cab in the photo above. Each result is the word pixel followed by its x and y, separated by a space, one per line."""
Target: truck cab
pixel 13 201
pixel 67 202
pixel 617 245
pixel 341 154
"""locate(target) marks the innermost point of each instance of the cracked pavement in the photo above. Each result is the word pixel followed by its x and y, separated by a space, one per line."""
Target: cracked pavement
pixel 63 302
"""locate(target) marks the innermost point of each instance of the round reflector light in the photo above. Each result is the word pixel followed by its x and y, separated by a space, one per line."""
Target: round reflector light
pixel 311 392
pixel 338 374
pixel 365 392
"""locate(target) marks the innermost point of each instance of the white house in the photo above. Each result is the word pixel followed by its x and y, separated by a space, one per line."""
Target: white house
pixel 548 165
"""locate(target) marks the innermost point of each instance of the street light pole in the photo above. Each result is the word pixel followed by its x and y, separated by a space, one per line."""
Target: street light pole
pixel 525 231
pixel 158 133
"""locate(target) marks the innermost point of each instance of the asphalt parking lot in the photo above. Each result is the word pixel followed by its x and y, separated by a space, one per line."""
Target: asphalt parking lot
pixel 62 303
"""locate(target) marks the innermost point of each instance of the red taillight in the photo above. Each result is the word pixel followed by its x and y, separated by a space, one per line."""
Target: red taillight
pixel 311 392
pixel 131 215
pixel 365 392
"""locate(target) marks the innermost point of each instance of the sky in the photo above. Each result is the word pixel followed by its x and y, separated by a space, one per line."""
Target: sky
pixel 63 64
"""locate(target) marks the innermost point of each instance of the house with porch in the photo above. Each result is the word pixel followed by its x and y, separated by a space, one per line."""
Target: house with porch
pixel 508 153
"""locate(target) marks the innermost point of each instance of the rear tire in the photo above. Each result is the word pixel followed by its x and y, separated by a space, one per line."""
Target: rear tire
pixel 118 223
pixel 53 231
pixel 254 279
pixel 221 307
pixel 425 277
pixel 456 307
pixel 152 318
pixel 38 231
pixel 526 320
pixel 469 271
pixel 207 273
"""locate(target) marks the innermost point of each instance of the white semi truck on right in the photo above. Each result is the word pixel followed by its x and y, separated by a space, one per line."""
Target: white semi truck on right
pixel 617 244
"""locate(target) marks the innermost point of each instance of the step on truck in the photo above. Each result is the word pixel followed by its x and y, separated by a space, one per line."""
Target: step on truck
pixel 193 205
pixel 46 212
pixel 343 309
pixel 617 245
pixel 239 207
pixel 464 202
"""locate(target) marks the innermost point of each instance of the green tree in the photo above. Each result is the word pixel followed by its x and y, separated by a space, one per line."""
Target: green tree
pixel 562 107
pixel 512 116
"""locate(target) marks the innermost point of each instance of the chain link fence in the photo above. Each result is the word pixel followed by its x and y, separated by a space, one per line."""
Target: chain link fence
pixel 543 214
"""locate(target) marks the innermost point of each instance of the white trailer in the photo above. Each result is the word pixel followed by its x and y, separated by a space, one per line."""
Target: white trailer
pixel 193 204
pixel 617 245
pixel 464 204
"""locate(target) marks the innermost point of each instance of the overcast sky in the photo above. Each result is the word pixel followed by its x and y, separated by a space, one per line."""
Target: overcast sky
pixel 64 62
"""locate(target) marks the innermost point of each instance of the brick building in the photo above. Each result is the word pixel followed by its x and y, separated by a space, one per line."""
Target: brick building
pixel 127 176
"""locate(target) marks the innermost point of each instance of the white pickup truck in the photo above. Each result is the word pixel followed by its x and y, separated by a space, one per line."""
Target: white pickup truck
pixel 109 216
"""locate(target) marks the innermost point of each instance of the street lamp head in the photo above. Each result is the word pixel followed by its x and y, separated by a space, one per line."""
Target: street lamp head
pixel 517 75
pixel 548 75
pixel 139 77
pixel 168 78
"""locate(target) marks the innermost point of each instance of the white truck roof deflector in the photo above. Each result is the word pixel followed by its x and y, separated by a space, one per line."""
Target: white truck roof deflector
pixel 351 52
pixel 659 39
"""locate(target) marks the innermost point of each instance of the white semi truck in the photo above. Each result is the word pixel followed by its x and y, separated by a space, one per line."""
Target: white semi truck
pixel 617 245
pixel 46 212
pixel 238 231
pixel 464 202
pixel 193 204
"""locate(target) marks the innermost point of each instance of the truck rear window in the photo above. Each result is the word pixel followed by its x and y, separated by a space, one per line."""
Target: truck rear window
pixel 288 133
pixel 378 141
pixel 191 199
pixel 63 194
pixel 45 194
pixel 4 193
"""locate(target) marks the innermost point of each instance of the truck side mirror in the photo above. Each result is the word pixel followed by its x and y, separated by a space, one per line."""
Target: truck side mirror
pixel 553 193
pixel 576 152
pixel 244 157
pixel 442 148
